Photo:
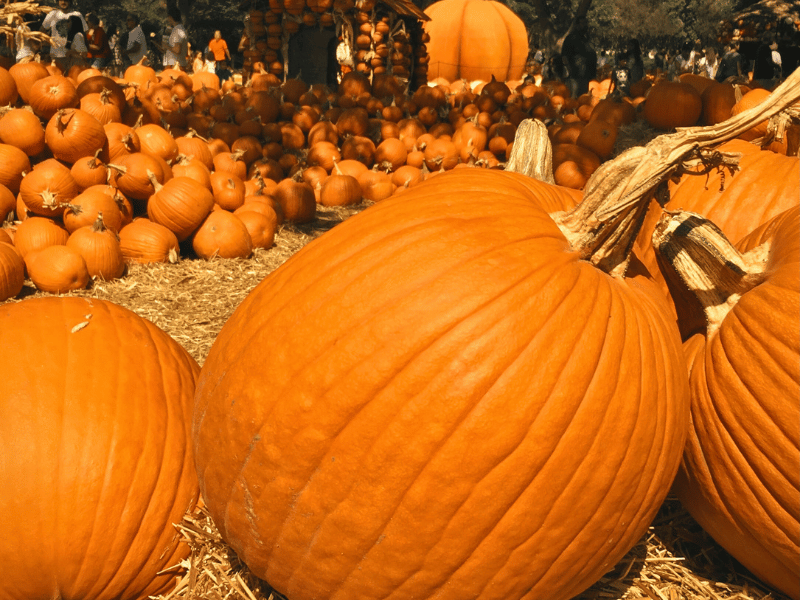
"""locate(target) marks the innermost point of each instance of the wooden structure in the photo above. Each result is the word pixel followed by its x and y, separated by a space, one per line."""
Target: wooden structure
pixel 317 39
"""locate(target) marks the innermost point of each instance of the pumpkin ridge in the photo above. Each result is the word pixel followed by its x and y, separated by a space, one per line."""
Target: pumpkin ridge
pixel 733 446
pixel 468 411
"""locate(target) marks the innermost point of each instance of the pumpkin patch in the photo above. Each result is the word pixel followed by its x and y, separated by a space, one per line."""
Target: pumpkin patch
pixel 471 383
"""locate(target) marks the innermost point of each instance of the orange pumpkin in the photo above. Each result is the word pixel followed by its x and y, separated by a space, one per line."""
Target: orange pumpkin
pixel 23 129
pixel 181 205
pixel 12 271
pixel 434 316
pixel 57 269
pixel 475 40
pixel 224 235
pixel 143 241
pixel 739 476
pixel 91 408
pixel 672 104
pixel 99 247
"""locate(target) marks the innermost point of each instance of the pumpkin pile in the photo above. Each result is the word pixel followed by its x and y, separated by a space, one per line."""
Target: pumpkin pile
pixel 381 41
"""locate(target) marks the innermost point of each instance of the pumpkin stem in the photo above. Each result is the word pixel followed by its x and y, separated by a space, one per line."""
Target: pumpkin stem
pixel 99 225
pixel 707 263
pixel 604 225
pixel 156 184
pixel 531 152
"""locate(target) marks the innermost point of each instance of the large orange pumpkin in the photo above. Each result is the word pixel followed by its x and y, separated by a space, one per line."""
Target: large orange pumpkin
pixel 439 399
pixel 475 39
pixel 739 478
pixel 97 464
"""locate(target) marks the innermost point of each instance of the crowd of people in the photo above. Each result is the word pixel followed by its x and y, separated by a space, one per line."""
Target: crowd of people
pixel 78 39
pixel 579 62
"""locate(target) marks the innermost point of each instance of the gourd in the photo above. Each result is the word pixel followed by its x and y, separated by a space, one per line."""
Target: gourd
pixel 739 476
pixel 97 463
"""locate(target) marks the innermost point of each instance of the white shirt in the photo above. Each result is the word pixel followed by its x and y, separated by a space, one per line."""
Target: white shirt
pixel 24 49
pixel 58 42
pixel 79 43
pixel 178 36
pixel 136 35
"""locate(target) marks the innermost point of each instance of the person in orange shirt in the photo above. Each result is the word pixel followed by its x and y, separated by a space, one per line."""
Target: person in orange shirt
pixel 219 48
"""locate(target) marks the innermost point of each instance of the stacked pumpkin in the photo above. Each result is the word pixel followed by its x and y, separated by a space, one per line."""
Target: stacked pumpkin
pixel 381 41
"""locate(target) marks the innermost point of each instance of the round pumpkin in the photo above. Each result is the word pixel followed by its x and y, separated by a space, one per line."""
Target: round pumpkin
pixel 21 128
pixel 12 271
pixel 223 235
pixel 739 476
pixel 73 133
pixel 439 399
pixel 143 241
pixel 99 247
pixel 475 39
pixel 97 464
pixel 57 269
pixel 180 205
pixel 672 104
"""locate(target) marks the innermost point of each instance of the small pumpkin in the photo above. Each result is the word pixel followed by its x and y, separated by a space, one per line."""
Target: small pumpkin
pixel 340 190
pixel 260 226
pixel 223 235
pixel 57 269
pixel 143 241
pixel 181 205
pixel 297 201
pixel 99 247
pixel 51 94
pixel 48 189
pixel 21 128
pixel 13 163
pixel 672 104
pixel 35 233
pixel 72 133
pixel 12 271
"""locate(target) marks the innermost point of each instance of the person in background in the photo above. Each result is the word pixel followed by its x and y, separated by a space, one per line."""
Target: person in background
pixel 27 47
pixel 682 63
pixel 198 63
pixel 776 59
pixel 579 58
pixel 635 60
pixel 764 67
pixel 115 44
pixel 621 77
pixel 219 47
pixel 76 43
pixel 136 48
pixel 708 65
pixel 731 64
pixel 176 51
pixel 99 53
pixel 58 33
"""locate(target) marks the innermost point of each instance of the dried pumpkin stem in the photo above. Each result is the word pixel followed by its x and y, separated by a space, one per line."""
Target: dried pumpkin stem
pixel 707 263
pixel 626 184
pixel 531 153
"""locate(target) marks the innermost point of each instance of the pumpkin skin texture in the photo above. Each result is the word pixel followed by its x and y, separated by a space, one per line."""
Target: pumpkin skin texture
pixel 739 477
pixel 97 460
pixel 344 464
pixel 475 39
